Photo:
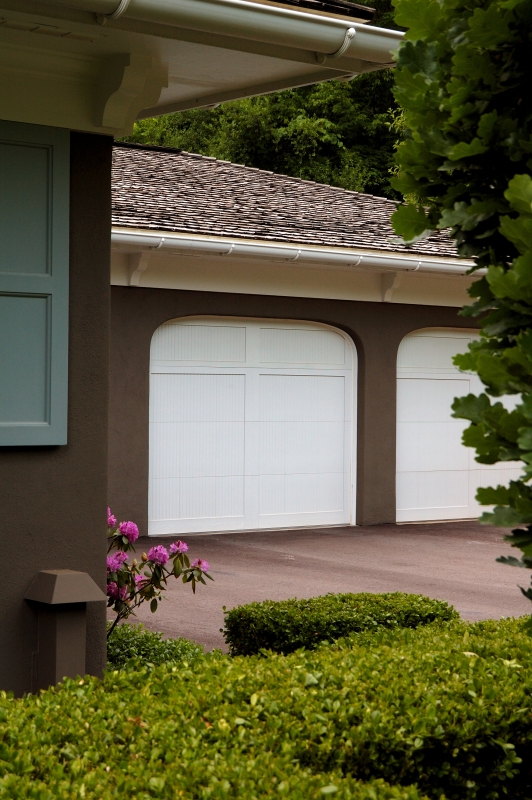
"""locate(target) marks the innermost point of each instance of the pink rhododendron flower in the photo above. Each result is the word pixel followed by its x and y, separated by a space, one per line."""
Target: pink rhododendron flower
pixel 201 564
pixel 129 530
pixel 178 547
pixel 114 591
pixel 140 579
pixel 111 519
pixel 115 561
pixel 158 555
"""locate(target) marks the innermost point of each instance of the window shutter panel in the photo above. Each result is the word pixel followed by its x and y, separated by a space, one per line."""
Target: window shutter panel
pixel 34 262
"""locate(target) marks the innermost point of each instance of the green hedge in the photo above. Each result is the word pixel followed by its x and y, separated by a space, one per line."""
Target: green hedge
pixel 133 646
pixel 257 778
pixel 446 708
pixel 285 626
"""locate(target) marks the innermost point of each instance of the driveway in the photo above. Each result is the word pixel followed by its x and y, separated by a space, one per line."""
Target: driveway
pixel 450 561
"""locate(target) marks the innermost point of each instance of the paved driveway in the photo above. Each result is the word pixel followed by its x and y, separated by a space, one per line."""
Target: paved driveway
pixel 450 561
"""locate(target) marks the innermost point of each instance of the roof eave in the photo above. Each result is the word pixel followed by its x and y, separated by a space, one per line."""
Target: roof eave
pixel 140 240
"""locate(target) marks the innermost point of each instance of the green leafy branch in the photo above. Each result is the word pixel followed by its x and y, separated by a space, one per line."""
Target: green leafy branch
pixel 463 76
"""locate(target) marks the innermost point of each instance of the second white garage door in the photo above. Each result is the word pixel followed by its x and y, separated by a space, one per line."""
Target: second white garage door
pixel 251 426
pixel 437 477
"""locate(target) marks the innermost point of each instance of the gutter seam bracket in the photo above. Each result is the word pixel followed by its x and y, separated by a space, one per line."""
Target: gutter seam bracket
pixel 119 10
pixel 350 34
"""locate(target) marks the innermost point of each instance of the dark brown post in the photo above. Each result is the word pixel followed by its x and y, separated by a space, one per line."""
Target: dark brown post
pixel 61 596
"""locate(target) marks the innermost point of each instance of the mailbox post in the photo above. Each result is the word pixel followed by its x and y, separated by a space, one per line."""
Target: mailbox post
pixel 60 596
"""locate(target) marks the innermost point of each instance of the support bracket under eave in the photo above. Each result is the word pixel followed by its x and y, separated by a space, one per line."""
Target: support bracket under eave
pixel 138 263
pixel 390 281
pixel 127 83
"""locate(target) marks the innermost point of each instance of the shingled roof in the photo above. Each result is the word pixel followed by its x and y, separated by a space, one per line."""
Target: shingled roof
pixel 170 190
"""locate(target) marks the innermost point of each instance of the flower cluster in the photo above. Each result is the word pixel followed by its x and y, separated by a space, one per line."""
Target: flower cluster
pixel 111 519
pixel 131 584
pixel 115 561
pixel 129 530
pixel 178 547
pixel 158 555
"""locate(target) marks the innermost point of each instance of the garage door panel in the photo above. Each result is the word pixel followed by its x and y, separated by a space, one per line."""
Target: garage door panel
pixel 330 493
pixel 436 513
pixel 429 400
pixel 300 494
pixel 433 489
pixel 271 494
pixel 431 446
pixel 301 447
pixel 165 498
pixel 301 397
pixel 497 474
pixel 191 498
pixel 181 527
pixel 197 449
pixel 300 346
pixel 418 352
pixel 199 343
pixel 195 398
pixel 307 493
pixel 212 497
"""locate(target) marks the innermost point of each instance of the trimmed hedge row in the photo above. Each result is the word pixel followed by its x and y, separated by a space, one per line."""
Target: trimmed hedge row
pixel 287 625
pixel 133 645
pixel 446 708
pixel 256 778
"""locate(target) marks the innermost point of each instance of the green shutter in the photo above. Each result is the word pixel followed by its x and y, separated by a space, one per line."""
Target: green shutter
pixel 34 244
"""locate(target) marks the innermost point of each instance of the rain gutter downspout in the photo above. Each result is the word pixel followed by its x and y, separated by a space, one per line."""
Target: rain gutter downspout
pixel 376 262
pixel 328 37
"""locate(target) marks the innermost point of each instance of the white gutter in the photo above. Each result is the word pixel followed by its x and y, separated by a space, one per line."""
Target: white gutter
pixel 329 37
pixel 340 257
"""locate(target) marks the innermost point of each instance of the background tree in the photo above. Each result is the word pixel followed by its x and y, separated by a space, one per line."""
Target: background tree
pixel 463 79
pixel 336 132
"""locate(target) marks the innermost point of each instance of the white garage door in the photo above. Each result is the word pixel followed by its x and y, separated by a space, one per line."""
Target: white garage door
pixel 251 426
pixel 437 477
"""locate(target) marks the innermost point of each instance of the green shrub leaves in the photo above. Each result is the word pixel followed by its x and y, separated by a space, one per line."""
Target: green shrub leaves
pixel 445 707
pixel 136 646
pixel 286 625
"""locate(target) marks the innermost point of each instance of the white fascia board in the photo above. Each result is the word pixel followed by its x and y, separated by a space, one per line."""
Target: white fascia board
pixel 135 241
pixel 323 34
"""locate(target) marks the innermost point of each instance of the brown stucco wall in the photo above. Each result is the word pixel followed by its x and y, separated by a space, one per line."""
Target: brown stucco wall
pixel 376 328
pixel 53 499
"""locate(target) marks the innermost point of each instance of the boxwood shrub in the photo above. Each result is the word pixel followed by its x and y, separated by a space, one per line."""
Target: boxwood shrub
pixel 133 646
pixel 445 708
pixel 286 625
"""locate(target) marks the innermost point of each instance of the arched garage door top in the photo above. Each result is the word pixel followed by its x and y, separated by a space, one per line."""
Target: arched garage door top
pixel 251 425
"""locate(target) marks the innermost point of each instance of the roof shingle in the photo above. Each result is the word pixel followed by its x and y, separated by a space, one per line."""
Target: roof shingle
pixel 172 190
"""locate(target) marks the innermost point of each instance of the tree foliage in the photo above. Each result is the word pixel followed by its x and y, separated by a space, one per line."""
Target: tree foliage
pixel 463 78
pixel 336 132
